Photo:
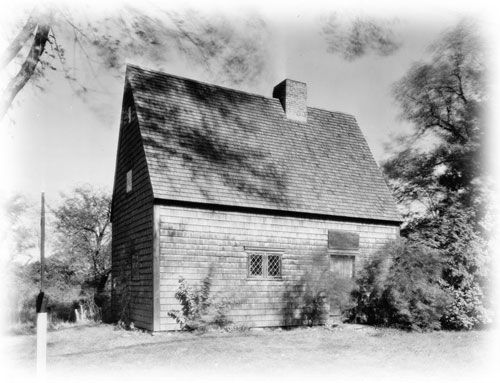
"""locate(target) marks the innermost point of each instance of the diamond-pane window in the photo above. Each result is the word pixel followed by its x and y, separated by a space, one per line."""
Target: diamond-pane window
pixel 255 267
pixel 274 266
pixel 264 265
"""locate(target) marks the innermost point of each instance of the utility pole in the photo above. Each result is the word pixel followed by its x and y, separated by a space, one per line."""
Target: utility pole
pixel 41 304
pixel 42 242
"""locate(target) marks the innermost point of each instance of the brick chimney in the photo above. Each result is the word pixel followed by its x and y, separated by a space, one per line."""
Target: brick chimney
pixel 293 97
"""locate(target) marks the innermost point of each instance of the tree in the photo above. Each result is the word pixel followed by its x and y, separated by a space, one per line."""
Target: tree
pixel 359 36
pixel 78 259
pixel 439 172
pixel 228 49
pixel 38 25
pixel 19 238
pixel 83 223
pixel 444 99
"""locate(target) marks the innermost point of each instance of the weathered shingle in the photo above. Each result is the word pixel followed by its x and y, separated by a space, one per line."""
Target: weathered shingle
pixel 211 144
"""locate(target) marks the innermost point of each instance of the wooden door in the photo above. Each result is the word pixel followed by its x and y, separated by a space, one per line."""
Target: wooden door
pixel 342 268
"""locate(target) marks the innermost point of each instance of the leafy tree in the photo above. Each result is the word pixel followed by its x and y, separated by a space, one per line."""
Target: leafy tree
pixel 439 172
pixel 228 49
pixel 37 28
pixel 78 257
pixel 20 235
pixel 360 36
pixel 83 45
pixel 83 223
pixel 444 99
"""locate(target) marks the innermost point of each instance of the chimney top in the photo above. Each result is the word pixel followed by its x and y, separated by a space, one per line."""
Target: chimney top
pixel 293 97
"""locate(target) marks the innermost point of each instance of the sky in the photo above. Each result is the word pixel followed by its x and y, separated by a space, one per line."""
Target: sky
pixel 51 140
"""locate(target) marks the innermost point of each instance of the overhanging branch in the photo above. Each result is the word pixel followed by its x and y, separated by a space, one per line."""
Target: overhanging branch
pixel 27 69
pixel 17 44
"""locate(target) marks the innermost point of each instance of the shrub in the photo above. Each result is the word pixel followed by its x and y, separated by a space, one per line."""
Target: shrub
pixel 402 287
pixel 309 300
pixel 314 307
pixel 466 275
pixel 199 309
pixel 60 311
pixel 464 247
pixel 465 310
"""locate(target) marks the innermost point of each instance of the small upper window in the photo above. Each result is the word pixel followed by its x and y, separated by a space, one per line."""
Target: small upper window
pixel 264 264
pixel 127 115
pixel 129 180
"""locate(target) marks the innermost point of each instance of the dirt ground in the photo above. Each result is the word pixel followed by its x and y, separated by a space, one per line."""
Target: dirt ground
pixel 348 352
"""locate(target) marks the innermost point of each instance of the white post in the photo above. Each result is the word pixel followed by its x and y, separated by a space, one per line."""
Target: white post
pixel 41 344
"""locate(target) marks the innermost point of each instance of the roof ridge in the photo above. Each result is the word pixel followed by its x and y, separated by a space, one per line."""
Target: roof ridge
pixel 200 82
pixel 332 111
pixel 229 89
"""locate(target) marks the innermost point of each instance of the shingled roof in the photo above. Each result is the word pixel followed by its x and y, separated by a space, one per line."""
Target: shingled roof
pixel 210 144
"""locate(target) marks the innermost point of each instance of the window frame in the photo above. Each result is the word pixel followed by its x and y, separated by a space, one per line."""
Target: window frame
pixel 265 254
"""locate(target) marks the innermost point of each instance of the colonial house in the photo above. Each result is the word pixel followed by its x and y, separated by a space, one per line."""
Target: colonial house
pixel 259 190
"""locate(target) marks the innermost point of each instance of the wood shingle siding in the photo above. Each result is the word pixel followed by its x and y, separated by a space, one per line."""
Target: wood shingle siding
pixel 132 219
pixel 194 239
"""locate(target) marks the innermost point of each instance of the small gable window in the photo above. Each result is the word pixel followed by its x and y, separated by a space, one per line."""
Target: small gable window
pixel 127 115
pixel 129 181
pixel 264 264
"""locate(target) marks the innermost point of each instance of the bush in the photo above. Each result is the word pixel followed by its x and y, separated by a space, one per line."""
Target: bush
pixel 199 309
pixel 313 297
pixel 466 275
pixel 314 307
pixel 464 247
pixel 64 292
pixel 61 311
pixel 465 310
pixel 402 287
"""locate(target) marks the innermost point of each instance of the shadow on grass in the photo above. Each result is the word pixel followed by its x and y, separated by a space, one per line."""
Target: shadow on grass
pixel 193 338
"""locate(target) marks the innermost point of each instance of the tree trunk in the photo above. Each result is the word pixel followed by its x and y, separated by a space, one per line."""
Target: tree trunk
pixel 27 69
pixel 17 44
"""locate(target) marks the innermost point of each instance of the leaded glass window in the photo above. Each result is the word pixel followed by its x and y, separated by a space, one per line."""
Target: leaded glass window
pixel 264 265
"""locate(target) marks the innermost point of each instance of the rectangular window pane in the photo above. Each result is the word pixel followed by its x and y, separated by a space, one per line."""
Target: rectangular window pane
pixel 255 266
pixel 129 181
pixel 274 266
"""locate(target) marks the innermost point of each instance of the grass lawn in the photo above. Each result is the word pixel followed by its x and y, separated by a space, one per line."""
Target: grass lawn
pixel 358 353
